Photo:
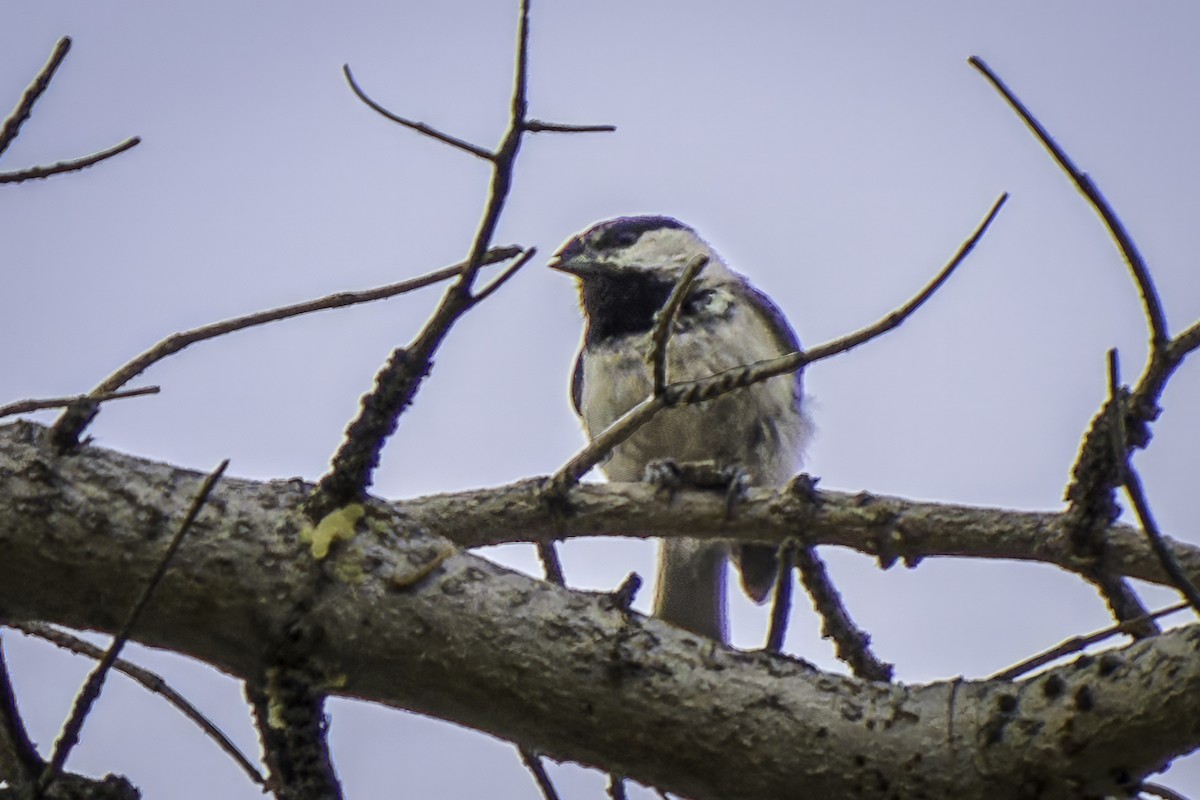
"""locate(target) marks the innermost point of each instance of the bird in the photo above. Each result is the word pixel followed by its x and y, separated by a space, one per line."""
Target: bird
pixel 626 268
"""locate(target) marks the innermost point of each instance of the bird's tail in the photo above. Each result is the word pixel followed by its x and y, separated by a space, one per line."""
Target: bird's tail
pixel 691 586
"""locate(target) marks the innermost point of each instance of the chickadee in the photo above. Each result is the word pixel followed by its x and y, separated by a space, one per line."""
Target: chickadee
pixel 626 269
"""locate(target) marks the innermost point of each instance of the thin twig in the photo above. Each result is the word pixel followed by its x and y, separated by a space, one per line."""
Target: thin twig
pixel 29 406
pixel 1077 643
pixel 851 645
pixel 664 320
pixel 616 788
pixel 70 424
pixel 538 126
pixel 12 124
pixel 19 759
pixel 420 127
pixel 533 763
pixel 73 165
pixel 150 681
pixel 781 605
pixel 503 277
pixel 728 380
pixel 1185 342
pixel 91 689
pixel 1141 274
pixel 1133 487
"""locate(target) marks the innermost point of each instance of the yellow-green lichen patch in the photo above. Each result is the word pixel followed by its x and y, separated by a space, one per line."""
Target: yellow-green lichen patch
pixel 336 526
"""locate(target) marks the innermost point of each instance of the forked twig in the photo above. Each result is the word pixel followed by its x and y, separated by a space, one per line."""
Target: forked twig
pixel 150 681
pixel 12 125
pixel 704 389
pixel 71 424
pixel 88 695
pixel 396 383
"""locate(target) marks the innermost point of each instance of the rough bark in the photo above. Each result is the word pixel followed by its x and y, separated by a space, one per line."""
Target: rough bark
pixel 406 619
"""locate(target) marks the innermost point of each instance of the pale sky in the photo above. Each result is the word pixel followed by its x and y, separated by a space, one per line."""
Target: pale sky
pixel 837 153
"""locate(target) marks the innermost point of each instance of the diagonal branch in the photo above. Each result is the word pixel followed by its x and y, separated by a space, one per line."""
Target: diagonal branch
pixel 71 424
pixel 1141 273
pixel 1077 643
pixel 88 695
pixel 12 124
pixel 851 644
pixel 150 681
pixel 419 127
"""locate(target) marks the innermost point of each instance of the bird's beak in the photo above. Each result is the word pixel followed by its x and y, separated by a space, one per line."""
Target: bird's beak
pixel 574 267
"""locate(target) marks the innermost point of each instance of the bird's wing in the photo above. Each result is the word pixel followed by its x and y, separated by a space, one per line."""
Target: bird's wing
pixel 577 384
pixel 781 330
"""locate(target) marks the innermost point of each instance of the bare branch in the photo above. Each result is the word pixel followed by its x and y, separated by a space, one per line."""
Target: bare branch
pixel 70 424
pixel 664 320
pixel 852 645
pixel 12 124
pixel 1133 487
pixel 1141 274
pixel 73 165
pixel 419 127
pixel 538 126
pixel 728 380
pixel 91 689
pixel 503 277
pixel 1077 643
pixel 150 681
pixel 28 406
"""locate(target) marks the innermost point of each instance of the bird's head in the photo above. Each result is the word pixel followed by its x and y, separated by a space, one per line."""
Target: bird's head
pixel 627 267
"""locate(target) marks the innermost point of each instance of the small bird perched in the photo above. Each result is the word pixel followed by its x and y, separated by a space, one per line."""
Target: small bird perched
pixel 627 268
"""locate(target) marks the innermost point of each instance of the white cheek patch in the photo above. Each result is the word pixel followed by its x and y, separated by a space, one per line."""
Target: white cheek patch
pixel 668 248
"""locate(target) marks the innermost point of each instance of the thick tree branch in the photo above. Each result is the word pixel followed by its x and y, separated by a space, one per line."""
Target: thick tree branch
pixel 454 636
